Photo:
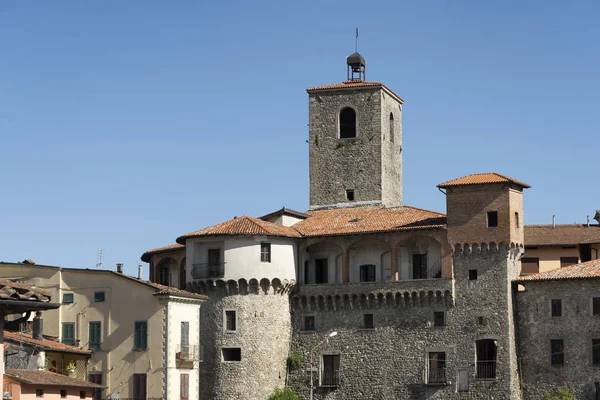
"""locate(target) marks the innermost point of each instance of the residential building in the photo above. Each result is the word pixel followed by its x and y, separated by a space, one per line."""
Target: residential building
pixel 143 337
pixel 23 384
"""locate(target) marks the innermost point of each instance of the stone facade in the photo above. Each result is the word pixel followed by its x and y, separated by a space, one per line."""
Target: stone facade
pixel 371 163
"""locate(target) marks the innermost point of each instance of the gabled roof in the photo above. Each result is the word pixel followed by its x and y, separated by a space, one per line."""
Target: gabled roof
pixel 43 344
pixel 561 235
pixel 36 377
pixel 164 249
pixel 285 211
pixel 10 290
pixel 589 269
pixel 242 226
pixel 357 83
pixel 344 221
pixel 478 179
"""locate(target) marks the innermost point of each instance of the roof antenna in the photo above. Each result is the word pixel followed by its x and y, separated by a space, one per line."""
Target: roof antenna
pixel 356 41
pixel 99 258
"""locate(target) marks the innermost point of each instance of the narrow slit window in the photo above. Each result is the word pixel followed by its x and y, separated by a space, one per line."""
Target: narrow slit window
pixel 557 352
pixel 556 307
pixel 392 127
pixel 517 223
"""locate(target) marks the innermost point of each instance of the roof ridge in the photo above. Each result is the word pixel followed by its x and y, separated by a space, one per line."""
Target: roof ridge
pixel 425 209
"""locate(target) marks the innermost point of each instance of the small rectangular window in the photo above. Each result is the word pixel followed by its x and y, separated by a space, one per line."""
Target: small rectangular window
pixel 472 274
pixel 39 392
pixel 98 297
pixel 439 318
pixel 367 273
pixel 321 270
pixel 309 323
pixel 140 338
pixel 596 351
pixel 566 261
pixel 517 223
pixel 436 368
pixel 265 252
pixel 556 307
pixel 557 352
pixel 232 354
pixel 350 194
pixel 368 322
pixel 63 394
pixel 68 298
pixel 492 219
pixel 596 306
pixel 230 321
pixel 82 394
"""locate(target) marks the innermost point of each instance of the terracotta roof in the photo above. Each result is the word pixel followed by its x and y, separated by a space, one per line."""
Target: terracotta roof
pixel 162 290
pixel 35 377
pixel 10 290
pixel 353 84
pixel 589 269
pixel 172 247
pixel 477 179
pixel 43 344
pixel 241 226
pixel 344 221
pixel 573 234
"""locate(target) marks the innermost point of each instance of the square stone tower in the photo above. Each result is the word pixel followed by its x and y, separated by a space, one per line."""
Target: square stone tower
pixel 355 143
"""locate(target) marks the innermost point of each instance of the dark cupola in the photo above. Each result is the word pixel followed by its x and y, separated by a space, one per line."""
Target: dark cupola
pixel 357 67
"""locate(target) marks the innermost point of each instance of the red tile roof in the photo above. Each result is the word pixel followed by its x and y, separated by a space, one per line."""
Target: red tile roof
pixel 589 269
pixel 10 290
pixel 164 249
pixel 43 344
pixel 344 221
pixel 477 179
pixel 353 84
pixel 242 226
pixel 571 234
pixel 36 377
pixel 161 290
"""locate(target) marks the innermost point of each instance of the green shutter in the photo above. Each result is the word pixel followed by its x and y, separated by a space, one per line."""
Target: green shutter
pixel 68 333
pixel 140 337
pixel 95 335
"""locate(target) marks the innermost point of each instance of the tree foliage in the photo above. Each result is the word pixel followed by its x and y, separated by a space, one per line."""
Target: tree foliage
pixel 562 393
pixel 283 394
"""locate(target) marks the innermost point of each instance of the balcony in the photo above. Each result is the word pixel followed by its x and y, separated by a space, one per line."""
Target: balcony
pixel 208 270
pixel 436 376
pixel 330 378
pixel 187 353
pixel 486 369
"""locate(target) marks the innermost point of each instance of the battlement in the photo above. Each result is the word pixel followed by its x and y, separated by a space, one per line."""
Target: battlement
pixel 242 287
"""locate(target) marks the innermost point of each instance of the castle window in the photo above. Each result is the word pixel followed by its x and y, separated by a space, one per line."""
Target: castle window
pixel 392 127
pixel 309 323
pixel 472 274
pixel 350 194
pixel 347 123
pixel 517 220
pixel 486 358
pixel 265 252
pixel 230 317
pixel 367 273
pixel 368 322
pixel 232 354
pixel 556 307
pixel 330 370
pixel 321 270
pixel 436 367
pixel 439 318
pixel 596 351
pixel 419 266
pixel 595 305
pixel 566 261
pixel 557 352
pixel 530 265
pixel 492 219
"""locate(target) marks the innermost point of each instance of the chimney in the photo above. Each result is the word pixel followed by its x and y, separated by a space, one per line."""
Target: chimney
pixel 140 268
pixel 38 326
pixel 553 221
pixel 588 221
pixel 597 216
pixel 120 267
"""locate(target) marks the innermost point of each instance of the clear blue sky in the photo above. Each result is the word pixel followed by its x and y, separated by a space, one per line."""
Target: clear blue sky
pixel 124 124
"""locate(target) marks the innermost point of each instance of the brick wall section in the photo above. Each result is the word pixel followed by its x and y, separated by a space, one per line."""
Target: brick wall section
pixel 577 327
pixel 339 164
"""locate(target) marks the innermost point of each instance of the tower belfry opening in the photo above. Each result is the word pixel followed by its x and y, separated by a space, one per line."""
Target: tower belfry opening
pixel 357 67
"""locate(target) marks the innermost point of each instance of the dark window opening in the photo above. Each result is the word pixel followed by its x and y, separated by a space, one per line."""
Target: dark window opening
pixel 39 392
pixel 306 271
pixel 436 367
pixel 419 266
pixel 596 306
pixel 472 274
pixel 232 354
pixel 596 351
pixel 486 359
pixel 368 322
pixel 556 307
pixel 492 219
pixel 367 273
pixel 347 123
pixel 392 127
pixel 139 386
pixel 566 261
pixel 68 298
pixel 517 223
pixel 99 297
pixel 63 394
pixel 309 323
pixel 557 352
pixel 439 318
pixel 265 252
pixel 230 321
pixel 530 265
pixel 163 276
pixel 350 194
pixel 330 374
pixel 96 378
pixel 82 394
pixel 321 270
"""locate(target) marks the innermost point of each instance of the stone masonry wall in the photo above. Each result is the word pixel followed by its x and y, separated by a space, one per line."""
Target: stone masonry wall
pixel 576 327
pixel 391 151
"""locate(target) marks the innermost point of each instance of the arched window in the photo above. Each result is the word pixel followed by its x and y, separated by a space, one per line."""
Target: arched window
pixel 347 123
pixel 392 127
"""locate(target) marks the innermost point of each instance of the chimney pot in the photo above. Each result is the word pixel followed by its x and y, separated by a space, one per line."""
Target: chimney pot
pixel 38 326
pixel 120 268
pixel 140 269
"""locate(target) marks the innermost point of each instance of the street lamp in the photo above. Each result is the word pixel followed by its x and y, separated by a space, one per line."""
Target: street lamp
pixel 332 334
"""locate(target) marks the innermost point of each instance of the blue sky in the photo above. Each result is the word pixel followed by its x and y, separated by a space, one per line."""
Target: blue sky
pixel 124 124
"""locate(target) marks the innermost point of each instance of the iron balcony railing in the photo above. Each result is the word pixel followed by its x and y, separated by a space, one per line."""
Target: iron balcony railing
pixel 436 376
pixel 208 270
pixel 187 353
pixel 486 369
pixel 330 378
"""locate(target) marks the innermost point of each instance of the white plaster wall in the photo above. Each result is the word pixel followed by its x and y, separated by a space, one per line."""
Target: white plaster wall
pixel 419 246
pixel 178 312
pixel 369 253
pixel 332 253
pixel 287 220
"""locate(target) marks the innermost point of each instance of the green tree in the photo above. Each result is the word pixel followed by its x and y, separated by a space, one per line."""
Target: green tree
pixel 562 393
pixel 283 394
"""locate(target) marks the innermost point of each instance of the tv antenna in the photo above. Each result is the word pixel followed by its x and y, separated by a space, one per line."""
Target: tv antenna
pixel 99 258
pixel 356 41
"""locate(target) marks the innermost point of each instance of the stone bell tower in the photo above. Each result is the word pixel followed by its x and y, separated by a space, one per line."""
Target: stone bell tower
pixel 355 142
